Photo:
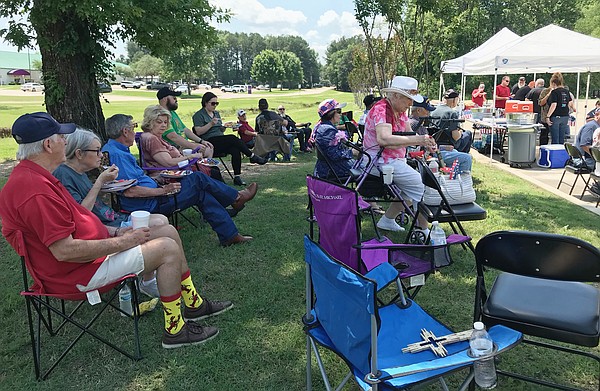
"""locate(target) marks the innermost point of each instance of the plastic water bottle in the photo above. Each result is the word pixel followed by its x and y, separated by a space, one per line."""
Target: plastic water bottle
pixel 481 345
pixel 437 237
pixel 125 300
pixel 434 166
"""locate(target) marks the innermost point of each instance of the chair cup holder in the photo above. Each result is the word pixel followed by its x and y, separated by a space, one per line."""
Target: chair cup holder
pixel 494 352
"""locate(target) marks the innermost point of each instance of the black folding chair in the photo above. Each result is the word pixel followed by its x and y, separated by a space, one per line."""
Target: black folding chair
pixel 576 165
pixel 444 212
pixel 541 292
pixel 595 152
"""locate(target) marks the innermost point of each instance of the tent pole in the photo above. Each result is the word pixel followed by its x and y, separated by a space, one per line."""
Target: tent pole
pixel 441 86
pixel 495 112
pixel 577 97
pixel 462 89
pixel 587 94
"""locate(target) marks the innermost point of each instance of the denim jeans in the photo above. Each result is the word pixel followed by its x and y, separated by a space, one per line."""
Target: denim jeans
pixel 558 129
pixel 210 196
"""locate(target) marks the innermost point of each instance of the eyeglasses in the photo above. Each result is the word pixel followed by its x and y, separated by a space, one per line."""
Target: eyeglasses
pixel 214 103
pixel 339 111
pixel 281 109
pixel 98 151
pixel 133 125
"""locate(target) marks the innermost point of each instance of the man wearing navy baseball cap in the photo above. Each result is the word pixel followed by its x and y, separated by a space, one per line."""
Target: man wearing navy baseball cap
pixel 30 128
pixel 71 251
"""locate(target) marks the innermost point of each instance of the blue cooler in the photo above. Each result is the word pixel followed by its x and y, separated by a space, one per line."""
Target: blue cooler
pixel 553 156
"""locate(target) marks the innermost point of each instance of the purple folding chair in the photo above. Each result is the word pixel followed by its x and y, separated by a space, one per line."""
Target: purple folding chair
pixel 335 209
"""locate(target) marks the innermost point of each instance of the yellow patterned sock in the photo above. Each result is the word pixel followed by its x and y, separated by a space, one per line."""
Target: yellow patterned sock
pixel 172 310
pixel 191 298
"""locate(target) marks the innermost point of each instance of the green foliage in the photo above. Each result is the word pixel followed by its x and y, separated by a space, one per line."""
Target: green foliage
pixel 124 70
pixel 589 23
pixel 267 67
pixel 36 65
pixel 233 53
pixel 147 65
pixel 292 68
pixel 185 65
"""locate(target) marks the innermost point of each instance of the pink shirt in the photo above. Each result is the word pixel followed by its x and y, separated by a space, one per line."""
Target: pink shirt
pixel 382 113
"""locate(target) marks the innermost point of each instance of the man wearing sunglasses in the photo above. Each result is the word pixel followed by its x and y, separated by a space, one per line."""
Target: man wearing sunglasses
pixel 303 129
pixel 178 134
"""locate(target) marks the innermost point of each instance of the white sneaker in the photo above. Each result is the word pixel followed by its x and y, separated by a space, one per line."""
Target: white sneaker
pixel 388 224
pixel 149 288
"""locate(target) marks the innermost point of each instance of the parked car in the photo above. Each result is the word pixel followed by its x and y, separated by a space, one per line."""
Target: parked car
pixel 263 87
pixel 204 86
pixel 131 84
pixel 157 85
pixel 33 87
pixel 182 88
pixel 239 88
pixel 227 89
pixel 104 87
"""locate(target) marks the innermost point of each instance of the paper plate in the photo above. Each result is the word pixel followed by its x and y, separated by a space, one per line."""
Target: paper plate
pixel 120 185
pixel 210 162
pixel 173 174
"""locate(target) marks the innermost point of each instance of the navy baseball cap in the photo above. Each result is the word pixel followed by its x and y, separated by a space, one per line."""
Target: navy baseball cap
pixel 425 104
pixel 30 128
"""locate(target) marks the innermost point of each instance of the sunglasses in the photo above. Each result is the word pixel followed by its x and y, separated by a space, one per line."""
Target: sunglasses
pixel 214 103
pixel 339 111
pixel 281 109
pixel 133 125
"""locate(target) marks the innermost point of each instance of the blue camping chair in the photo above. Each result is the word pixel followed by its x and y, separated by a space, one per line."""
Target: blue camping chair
pixel 343 316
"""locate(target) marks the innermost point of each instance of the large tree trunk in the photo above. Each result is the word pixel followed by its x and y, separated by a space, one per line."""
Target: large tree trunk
pixel 71 91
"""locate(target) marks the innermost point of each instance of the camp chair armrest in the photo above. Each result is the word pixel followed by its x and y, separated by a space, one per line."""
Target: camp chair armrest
pixel 383 274
pixel 504 338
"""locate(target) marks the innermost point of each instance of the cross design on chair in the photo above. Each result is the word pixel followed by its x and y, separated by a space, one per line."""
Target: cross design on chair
pixel 436 344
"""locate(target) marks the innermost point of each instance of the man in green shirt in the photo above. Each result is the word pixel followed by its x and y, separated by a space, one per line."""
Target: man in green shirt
pixel 178 134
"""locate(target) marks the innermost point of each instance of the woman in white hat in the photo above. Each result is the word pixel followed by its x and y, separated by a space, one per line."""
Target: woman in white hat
pixel 384 126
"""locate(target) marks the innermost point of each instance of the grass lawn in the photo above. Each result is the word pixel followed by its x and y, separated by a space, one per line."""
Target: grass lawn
pixel 261 343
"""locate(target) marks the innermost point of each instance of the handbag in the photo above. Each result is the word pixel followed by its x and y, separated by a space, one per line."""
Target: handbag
pixel 457 191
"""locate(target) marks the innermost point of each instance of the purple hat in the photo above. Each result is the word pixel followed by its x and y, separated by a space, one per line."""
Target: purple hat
pixel 30 128
pixel 327 105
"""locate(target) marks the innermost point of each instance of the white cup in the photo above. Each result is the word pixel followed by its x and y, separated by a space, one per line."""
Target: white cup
pixel 388 174
pixel 186 152
pixel 140 219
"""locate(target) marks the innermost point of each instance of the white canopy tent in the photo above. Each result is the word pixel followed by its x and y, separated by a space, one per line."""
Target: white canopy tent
pixel 548 49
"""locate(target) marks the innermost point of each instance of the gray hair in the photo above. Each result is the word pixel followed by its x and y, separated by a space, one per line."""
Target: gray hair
pixel 27 151
pixel 151 114
pixel 80 139
pixel 540 83
pixel 115 125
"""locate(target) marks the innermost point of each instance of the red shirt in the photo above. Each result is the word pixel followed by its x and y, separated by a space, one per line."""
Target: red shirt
pixel 478 97
pixel 502 91
pixel 242 129
pixel 37 204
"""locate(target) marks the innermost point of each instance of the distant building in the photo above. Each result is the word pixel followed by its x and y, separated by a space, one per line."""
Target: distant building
pixel 16 67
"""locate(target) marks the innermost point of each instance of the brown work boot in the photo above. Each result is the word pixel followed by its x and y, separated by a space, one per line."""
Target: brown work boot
pixel 244 196
pixel 207 309
pixel 237 239
pixel 190 334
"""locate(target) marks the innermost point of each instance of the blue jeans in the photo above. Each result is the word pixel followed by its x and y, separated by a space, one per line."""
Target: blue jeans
pixel 558 129
pixel 465 161
pixel 210 196
pixel 463 144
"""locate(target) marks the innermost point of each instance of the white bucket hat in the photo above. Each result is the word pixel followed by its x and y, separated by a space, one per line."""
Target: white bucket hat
pixel 406 86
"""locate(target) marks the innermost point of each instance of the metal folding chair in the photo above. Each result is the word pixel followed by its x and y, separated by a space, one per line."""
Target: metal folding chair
pixel 53 312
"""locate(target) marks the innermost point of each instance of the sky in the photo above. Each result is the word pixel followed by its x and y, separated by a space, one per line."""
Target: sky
pixel 317 21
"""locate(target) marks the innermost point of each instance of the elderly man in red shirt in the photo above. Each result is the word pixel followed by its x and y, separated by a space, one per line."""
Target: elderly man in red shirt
pixel 73 252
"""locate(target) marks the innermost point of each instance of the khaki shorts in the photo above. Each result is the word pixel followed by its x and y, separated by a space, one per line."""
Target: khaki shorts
pixel 114 267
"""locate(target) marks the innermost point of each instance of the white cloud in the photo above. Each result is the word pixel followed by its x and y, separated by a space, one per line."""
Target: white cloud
pixel 328 18
pixel 311 34
pixel 251 16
